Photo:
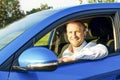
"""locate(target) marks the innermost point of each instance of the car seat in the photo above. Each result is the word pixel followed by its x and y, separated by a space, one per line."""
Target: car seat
pixel 101 27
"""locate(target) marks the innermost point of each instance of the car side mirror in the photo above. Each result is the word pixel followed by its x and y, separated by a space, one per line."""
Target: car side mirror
pixel 38 58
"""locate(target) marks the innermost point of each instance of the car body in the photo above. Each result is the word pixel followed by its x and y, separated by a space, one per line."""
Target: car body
pixel 18 50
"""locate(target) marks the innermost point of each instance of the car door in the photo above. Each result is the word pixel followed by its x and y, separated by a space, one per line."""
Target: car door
pixel 89 70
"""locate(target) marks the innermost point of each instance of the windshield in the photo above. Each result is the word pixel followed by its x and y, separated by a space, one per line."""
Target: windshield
pixel 12 31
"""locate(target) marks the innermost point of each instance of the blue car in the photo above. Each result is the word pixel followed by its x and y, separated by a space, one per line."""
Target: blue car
pixel 23 56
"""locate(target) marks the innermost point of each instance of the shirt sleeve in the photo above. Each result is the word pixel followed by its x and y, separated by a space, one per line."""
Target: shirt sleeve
pixel 95 52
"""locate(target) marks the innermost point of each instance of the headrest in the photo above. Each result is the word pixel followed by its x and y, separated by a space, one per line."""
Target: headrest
pixel 100 26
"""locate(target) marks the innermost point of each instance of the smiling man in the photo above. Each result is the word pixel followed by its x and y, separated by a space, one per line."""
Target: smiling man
pixel 78 47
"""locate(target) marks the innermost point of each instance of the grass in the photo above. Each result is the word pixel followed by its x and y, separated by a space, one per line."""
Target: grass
pixel 43 41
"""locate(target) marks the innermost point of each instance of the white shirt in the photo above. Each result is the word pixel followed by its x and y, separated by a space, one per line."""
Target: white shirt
pixel 88 51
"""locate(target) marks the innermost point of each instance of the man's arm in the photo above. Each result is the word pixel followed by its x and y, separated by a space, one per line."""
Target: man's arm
pixel 95 52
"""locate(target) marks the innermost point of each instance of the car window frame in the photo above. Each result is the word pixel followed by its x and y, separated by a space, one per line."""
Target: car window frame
pixel 91 13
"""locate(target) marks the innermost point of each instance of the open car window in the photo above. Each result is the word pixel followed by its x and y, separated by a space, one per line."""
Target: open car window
pixel 99 30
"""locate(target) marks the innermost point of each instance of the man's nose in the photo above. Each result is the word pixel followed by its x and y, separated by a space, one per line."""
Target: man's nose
pixel 74 34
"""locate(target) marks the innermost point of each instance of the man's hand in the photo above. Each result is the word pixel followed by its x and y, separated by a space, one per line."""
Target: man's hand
pixel 67 59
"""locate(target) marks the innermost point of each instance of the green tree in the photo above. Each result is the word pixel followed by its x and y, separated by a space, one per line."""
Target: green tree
pixel 100 1
pixel 3 13
pixel 42 7
pixel 80 1
pixel 9 12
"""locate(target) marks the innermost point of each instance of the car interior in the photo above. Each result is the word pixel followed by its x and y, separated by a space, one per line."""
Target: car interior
pixel 99 30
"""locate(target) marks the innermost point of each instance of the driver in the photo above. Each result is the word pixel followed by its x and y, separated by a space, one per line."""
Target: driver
pixel 78 47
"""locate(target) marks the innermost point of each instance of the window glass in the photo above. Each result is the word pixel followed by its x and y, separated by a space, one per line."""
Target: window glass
pixel 12 31
pixel 43 40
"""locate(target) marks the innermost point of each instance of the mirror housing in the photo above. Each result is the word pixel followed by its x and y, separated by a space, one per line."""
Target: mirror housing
pixel 38 58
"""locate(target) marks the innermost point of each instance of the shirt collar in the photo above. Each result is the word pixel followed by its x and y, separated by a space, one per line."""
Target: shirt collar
pixel 79 48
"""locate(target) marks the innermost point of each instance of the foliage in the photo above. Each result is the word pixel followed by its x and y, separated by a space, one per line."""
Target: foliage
pixel 80 1
pixel 42 7
pixel 100 1
pixel 9 12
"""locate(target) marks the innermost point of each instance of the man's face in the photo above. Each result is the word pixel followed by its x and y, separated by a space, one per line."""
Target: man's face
pixel 75 33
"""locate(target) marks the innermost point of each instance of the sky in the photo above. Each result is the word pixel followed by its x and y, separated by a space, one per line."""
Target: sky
pixel 27 5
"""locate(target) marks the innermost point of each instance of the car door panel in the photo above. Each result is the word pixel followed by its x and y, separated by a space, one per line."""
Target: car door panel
pixel 106 69
pixel 4 75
